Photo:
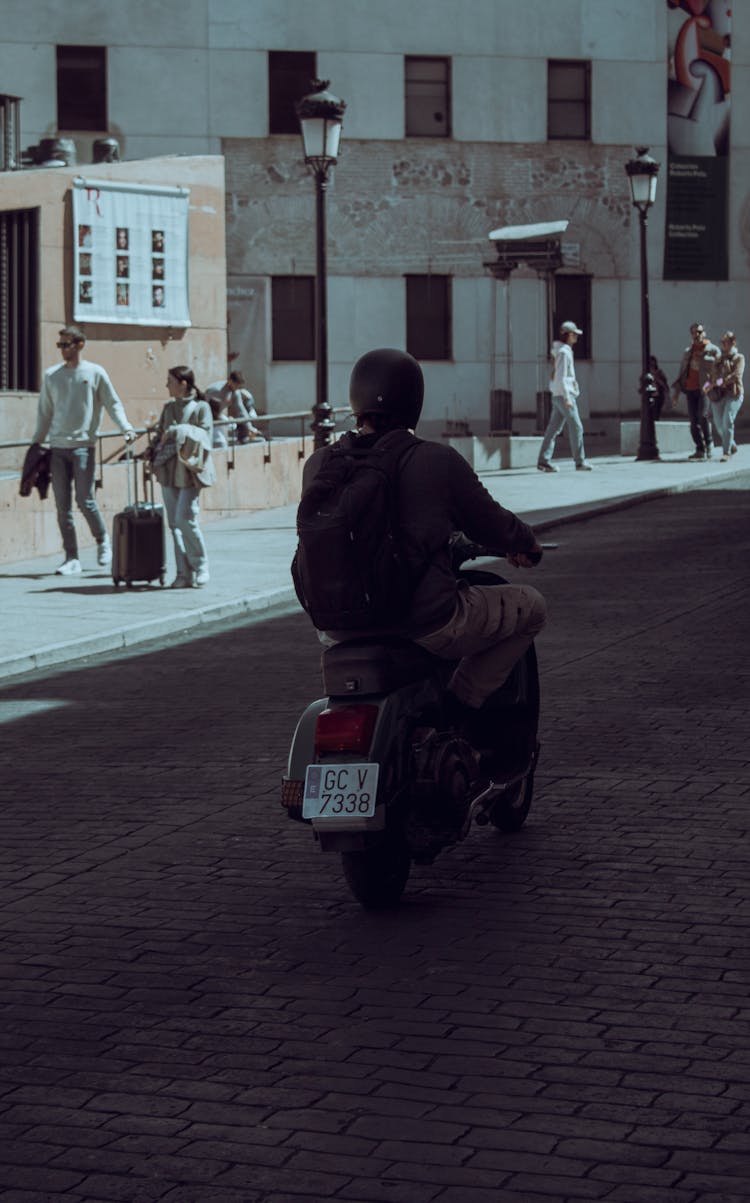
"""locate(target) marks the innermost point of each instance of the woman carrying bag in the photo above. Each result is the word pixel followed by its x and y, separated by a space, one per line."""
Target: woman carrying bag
pixel 728 392
pixel 181 461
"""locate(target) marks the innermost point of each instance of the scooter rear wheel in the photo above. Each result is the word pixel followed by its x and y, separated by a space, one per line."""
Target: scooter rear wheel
pixel 377 876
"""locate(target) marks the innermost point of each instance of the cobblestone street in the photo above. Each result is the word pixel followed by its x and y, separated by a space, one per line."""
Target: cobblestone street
pixel 194 1010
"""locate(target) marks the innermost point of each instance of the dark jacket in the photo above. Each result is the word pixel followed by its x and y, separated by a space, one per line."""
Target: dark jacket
pixel 35 473
pixel 438 494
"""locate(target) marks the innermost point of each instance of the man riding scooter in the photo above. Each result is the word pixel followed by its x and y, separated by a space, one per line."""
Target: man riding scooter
pixel 486 629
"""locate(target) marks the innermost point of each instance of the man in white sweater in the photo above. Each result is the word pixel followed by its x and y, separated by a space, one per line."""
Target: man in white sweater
pixel 564 388
pixel 73 395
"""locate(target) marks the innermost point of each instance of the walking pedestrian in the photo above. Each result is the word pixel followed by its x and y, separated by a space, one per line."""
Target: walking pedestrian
pixel 695 379
pixel 565 391
pixel 238 403
pixel 728 394
pixel 69 413
pixel 187 412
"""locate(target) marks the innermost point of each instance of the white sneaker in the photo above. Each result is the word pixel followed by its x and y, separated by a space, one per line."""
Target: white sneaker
pixel 68 567
pixel 200 578
pixel 104 553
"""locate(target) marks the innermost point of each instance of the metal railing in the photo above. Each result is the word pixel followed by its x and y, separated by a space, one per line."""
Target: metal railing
pixel 302 416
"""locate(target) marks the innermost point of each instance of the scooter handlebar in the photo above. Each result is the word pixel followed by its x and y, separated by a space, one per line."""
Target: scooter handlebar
pixel 463 549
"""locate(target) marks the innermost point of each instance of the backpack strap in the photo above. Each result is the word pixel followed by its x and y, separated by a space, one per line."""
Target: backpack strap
pixel 399 457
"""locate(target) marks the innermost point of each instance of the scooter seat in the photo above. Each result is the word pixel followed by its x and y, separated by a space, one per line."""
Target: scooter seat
pixel 366 666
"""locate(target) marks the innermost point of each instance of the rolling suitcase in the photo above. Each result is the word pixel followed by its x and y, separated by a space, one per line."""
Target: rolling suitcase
pixel 138 546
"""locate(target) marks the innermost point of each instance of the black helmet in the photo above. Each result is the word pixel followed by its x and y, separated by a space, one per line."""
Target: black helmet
pixel 388 384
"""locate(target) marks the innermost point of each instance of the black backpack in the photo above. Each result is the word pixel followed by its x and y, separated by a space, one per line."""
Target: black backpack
pixel 350 572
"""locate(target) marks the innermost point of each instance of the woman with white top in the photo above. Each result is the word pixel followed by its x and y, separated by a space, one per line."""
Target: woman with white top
pixel 179 485
pixel 727 394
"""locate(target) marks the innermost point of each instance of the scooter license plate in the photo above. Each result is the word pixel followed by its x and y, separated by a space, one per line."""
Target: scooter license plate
pixel 338 791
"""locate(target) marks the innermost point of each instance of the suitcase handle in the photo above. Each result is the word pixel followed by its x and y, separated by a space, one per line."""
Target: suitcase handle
pixel 131 469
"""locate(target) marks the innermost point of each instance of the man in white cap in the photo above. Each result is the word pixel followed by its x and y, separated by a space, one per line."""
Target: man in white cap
pixel 564 388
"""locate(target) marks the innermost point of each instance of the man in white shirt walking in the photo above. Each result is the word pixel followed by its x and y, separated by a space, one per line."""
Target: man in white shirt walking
pixel 68 417
pixel 564 388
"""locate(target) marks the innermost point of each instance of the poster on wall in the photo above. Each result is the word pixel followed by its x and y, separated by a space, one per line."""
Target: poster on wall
pixel 698 107
pixel 130 249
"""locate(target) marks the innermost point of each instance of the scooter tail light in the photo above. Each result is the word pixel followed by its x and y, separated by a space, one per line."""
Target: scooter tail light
pixel 345 729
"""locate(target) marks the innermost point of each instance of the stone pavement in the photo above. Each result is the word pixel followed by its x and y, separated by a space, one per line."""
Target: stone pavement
pixel 49 620
pixel 195 1011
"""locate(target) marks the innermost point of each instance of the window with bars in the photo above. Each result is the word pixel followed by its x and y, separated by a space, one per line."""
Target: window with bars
pixel 290 73
pixel 19 301
pixel 81 88
pixel 428 317
pixel 427 97
pixel 293 317
pixel 568 99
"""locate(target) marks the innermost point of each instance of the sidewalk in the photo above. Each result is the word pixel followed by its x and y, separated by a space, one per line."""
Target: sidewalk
pixel 48 620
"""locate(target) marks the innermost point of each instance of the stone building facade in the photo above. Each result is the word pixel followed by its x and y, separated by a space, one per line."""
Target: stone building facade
pixel 195 77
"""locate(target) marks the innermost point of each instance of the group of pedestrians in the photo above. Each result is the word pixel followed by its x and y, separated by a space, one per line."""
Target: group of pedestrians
pixel 73 396
pixel 710 377
pixel 75 392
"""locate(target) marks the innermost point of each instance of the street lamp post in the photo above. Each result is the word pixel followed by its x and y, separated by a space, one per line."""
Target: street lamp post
pixel 320 116
pixel 642 173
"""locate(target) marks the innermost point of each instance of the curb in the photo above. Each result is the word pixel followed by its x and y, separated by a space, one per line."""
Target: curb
pixel 178 626
pixel 595 508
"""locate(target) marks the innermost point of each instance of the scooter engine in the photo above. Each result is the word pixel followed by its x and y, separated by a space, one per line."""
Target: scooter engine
pixel 438 814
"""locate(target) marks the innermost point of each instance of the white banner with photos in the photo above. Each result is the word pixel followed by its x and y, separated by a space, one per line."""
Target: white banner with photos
pixel 130 247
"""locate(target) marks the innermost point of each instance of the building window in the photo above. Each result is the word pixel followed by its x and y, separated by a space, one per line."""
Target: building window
pixel 82 88
pixel 428 317
pixel 573 304
pixel 19 301
pixel 427 83
pixel 293 317
pixel 290 74
pixel 568 99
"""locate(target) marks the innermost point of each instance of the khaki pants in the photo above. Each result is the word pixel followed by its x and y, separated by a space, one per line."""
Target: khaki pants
pixel 491 628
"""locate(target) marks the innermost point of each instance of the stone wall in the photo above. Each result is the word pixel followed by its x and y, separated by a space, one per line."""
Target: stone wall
pixel 419 206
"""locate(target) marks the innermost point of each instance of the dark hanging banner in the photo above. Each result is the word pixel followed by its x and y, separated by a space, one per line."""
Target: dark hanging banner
pixel 697 236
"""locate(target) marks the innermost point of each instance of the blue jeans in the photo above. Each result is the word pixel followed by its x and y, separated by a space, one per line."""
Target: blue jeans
pixel 725 412
pixel 559 417
pixel 75 468
pixel 700 427
pixel 183 507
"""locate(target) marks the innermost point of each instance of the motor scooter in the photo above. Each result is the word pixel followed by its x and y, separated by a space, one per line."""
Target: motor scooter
pixel 382 773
